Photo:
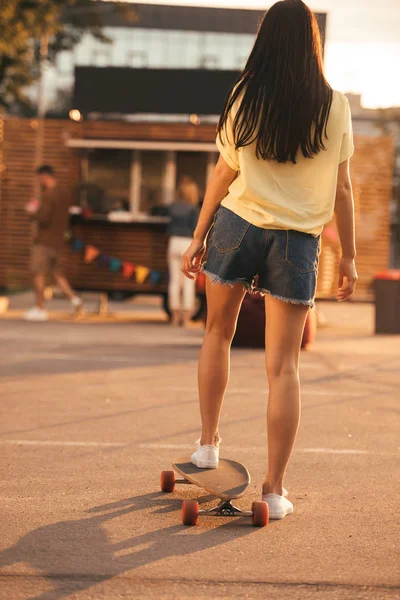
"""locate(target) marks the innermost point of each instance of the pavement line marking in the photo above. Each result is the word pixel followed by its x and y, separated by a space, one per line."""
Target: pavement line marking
pixel 255 449
pixel 265 391
pixel 322 585
pixel 100 358
pixel 333 451
pixel 60 443
pixel 151 446
pixel 80 358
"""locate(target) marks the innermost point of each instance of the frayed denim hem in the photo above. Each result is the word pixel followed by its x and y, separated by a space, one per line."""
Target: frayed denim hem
pixel 255 290
pixel 216 279
pixel 263 292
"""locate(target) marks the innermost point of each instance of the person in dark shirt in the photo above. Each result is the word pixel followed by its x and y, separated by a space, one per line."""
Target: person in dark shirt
pixel 50 217
pixel 184 213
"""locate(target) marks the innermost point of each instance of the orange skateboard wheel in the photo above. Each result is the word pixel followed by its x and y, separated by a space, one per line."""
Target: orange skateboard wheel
pixel 260 514
pixel 167 481
pixel 190 512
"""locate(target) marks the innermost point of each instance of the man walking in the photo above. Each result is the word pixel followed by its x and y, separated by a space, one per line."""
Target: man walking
pixel 51 219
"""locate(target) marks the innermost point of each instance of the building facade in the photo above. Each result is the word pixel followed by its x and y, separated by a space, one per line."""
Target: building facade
pixel 124 164
pixel 157 37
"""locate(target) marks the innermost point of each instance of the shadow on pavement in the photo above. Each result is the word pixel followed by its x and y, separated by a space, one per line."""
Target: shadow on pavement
pixel 92 419
pixel 78 554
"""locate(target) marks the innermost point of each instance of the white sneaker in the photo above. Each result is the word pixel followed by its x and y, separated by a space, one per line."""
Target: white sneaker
pixel 76 302
pixel 36 314
pixel 278 506
pixel 206 457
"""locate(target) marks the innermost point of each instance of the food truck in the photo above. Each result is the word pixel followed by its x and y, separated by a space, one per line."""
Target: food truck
pixel 119 175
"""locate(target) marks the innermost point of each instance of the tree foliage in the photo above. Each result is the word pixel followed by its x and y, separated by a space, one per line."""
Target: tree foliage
pixel 29 27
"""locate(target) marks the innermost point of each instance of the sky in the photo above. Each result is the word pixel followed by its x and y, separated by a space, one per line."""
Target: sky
pixel 362 46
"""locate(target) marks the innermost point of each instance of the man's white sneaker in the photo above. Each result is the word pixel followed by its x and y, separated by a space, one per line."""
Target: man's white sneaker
pixel 76 302
pixel 279 506
pixel 36 314
pixel 206 457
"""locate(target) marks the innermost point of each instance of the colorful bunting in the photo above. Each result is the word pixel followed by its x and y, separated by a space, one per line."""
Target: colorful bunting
pixel 155 277
pixel 103 260
pixel 115 265
pixel 128 269
pixel 142 274
pixel 91 253
pixel 77 245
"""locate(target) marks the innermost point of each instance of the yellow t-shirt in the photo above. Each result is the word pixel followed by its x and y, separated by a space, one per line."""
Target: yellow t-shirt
pixel 276 195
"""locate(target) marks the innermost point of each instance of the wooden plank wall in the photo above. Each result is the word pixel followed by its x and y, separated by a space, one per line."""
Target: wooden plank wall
pixel 2 241
pixel 372 167
pixel 18 185
pixel 17 188
pixel 372 179
pixel 132 242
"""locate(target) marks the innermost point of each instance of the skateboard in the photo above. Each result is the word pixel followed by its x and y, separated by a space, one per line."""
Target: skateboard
pixel 228 482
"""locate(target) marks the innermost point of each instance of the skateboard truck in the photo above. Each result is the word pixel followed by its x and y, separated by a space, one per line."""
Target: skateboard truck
pixel 226 509
pixel 190 508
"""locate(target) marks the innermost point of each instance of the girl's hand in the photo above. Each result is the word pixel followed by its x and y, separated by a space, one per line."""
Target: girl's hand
pixel 191 260
pixel 347 279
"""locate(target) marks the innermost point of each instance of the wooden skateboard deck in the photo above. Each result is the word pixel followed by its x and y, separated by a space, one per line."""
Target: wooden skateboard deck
pixel 230 480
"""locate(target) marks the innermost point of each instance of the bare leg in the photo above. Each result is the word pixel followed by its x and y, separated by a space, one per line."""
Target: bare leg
pixel 39 282
pixel 176 318
pixel 174 286
pixel 284 330
pixel 223 304
pixel 187 317
pixel 64 286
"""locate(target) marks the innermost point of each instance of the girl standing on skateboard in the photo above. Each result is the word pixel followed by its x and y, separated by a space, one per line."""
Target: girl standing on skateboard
pixel 285 141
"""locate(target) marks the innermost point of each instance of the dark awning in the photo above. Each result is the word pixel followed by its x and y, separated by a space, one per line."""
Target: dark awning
pixel 124 90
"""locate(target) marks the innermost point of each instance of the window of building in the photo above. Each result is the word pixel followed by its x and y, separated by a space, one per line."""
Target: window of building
pixel 217 50
pixel 175 47
pixel 209 61
pixel 141 182
pixel 82 53
pixel 137 59
pixel 107 185
pixel 243 49
pixel 194 166
pixel 65 64
pixel 120 46
pixel 154 45
pixel 101 58
pixel 192 50
pixel 152 181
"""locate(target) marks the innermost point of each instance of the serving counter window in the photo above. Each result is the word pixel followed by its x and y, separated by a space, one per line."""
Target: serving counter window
pixel 106 187
pixel 193 165
pixel 152 166
pixel 125 189
pixel 139 179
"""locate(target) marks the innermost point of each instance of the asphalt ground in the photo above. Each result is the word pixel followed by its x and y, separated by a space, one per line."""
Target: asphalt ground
pixel 92 412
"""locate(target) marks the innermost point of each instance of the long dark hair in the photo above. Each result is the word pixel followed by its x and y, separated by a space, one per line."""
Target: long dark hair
pixel 284 98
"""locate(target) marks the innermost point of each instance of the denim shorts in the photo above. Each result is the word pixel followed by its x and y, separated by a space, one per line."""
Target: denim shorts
pixel 282 263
